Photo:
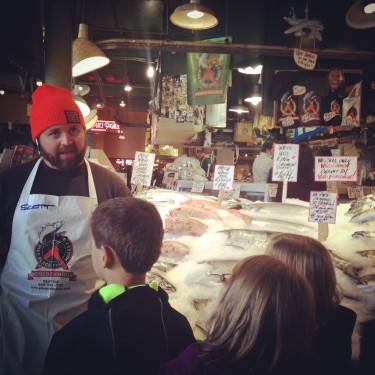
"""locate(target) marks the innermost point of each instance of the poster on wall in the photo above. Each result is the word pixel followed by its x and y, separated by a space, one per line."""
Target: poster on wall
pixel 174 103
pixel 208 75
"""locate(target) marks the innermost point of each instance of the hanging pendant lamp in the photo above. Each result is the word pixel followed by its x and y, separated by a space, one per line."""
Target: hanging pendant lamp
pixel 194 16
pixel 239 108
pixel 82 105
pixel 86 56
pixel 91 119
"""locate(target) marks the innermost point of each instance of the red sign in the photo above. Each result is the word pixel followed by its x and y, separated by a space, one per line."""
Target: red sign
pixel 106 126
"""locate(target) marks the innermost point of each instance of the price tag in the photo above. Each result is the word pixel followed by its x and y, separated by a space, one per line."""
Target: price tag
pixel 285 162
pixel 198 187
pixel 355 192
pixel 234 193
pixel 323 206
pixel 142 168
pixel 272 190
pixel 223 177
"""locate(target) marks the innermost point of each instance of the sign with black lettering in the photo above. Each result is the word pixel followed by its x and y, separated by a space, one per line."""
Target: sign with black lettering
pixel 285 162
pixel 336 168
pixel 323 206
pixel 223 177
pixel 142 168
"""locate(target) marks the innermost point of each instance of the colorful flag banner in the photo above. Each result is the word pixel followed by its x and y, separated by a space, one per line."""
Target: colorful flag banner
pixel 207 76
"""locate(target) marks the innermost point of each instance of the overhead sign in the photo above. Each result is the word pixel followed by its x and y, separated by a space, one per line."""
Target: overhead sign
pixel 106 127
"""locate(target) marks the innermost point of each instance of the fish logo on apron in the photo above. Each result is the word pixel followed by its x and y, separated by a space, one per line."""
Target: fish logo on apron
pixel 54 250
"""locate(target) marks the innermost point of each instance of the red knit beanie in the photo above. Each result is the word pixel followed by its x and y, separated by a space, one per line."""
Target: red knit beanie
pixel 53 106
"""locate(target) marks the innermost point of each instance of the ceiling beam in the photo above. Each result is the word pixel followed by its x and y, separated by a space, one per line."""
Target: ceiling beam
pixel 234 49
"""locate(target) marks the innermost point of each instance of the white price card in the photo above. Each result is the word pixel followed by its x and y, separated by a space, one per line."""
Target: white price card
pixel 323 206
pixel 198 187
pixel 223 177
pixel 355 192
pixel 234 193
pixel 285 162
pixel 272 190
pixel 142 168
pixel 336 168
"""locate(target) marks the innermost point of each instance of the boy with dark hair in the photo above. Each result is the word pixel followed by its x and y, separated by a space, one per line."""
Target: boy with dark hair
pixel 129 326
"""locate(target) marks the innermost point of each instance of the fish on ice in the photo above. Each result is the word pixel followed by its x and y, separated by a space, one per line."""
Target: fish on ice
pixel 364 217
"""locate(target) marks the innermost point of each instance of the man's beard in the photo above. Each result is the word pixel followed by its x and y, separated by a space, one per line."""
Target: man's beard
pixel 64 164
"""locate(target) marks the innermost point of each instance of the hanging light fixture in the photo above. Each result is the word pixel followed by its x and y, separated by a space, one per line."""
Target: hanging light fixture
pixel 81 89
pixel 239 108
pixel 128 88
pixel 150 71
pixel 122 103
pixel 91 119
pixel 251 70
pixel 359 15
pixel 255 97
pixel 369 6
pixel 194 16
pixel 82 105
pixel 86 56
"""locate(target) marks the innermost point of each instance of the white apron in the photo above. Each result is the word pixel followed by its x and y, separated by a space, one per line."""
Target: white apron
pixel 48 276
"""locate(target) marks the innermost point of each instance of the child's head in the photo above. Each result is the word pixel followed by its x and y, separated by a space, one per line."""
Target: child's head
pixel 312 260
pixel 132 228
pixel 258 316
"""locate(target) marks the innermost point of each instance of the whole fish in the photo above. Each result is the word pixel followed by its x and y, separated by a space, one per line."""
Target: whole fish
pixel 165 284
pixel 275 208
pixel 174 249
pixel 345 266
pixel 247 238
pixel 361 204
pixel 162 266
pixel 365 235
pixel 367 253
pixel 364 217
pixel 198 213
pixel 181 226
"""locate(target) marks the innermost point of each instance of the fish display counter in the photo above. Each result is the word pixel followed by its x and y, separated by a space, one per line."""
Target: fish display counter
pixel 203 241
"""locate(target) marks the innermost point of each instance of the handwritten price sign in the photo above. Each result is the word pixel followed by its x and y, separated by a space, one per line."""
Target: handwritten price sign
pixel 355 192
pixel 198 187
pixel 142 168
pixel 323 206
pixel 336 168
pixel 285 162
pixel 223 177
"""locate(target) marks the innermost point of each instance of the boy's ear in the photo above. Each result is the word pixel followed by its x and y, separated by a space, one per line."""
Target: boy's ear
pixel 107 257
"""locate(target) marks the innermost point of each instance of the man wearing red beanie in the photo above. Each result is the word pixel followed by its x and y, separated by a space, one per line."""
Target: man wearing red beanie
pixel 44 234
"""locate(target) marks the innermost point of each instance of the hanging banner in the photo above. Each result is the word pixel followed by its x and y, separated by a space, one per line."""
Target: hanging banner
pixel 208 75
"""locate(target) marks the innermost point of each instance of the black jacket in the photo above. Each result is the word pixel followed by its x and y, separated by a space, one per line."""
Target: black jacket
pixel 133 334
pixel 333 342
